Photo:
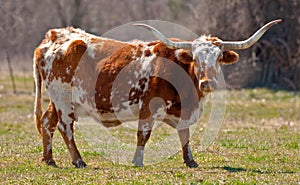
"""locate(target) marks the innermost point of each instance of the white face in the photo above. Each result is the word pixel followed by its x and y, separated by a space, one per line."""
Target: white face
pixel 207 66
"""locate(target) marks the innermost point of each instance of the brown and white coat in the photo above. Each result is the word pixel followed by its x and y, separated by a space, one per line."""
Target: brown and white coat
pixel 116 81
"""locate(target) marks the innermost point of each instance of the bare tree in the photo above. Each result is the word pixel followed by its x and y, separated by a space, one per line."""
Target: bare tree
pixel 71 12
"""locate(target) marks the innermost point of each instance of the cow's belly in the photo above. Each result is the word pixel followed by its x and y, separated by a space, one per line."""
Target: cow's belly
pixel 131 113
pixel 128 113
pixel 109 118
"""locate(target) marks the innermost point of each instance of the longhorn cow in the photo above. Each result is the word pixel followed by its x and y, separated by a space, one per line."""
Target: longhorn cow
pixel 67 57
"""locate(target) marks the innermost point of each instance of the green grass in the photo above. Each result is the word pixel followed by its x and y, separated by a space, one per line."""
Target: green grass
pixel 259 143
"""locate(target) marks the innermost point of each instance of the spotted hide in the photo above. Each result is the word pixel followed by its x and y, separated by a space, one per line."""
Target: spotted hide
pixel 116 81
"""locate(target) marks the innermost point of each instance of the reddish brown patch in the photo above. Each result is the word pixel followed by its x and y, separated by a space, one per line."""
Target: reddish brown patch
pixel 95 40
pixel 212 39
pixel 106 49
pixel 152 43
pixel 139 51
pixel 64 67
pixel 72 115
pixel 185 57
pixel 39 60
pixel 147 52
pixel 164 89
pixel 53 35
pixel 162 51
pixel 38 55
pixel 110 68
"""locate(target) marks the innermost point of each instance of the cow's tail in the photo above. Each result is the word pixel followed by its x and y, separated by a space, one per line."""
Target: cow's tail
pixel 38 110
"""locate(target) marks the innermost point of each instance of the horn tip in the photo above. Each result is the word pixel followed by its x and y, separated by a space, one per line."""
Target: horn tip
pixel 141 25
pixel 278 20
pixel 138 24
pixel 272 23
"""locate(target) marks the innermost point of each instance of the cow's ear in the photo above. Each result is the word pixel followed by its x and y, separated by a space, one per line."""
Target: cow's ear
pixel 230 57
pixel 184 56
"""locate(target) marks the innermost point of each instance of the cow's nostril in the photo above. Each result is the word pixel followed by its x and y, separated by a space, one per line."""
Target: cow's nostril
pixel 204 86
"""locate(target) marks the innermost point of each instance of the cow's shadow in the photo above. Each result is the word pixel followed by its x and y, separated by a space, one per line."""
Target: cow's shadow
pixel 240 169
pixel 226 168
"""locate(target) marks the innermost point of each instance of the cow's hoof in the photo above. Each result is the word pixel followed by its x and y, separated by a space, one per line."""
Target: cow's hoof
pixel 50 162
pixel 138 162
pixel 79 163
pixel 191 164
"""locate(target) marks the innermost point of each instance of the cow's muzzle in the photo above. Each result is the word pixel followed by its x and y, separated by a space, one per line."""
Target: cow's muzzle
pixel 208 85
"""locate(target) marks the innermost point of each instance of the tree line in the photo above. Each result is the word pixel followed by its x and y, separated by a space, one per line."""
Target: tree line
pixel 273 62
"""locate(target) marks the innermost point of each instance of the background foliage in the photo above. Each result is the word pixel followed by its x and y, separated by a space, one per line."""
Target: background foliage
pixel 273 62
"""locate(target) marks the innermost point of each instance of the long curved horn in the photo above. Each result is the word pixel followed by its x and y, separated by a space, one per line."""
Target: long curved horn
pixel 170 44
pixel 238 45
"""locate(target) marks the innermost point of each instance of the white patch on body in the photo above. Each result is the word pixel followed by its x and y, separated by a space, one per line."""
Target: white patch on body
pixel 91 48
pixel 68 70
pixel 61 95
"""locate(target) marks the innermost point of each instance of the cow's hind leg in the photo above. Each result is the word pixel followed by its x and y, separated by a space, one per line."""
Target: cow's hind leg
pixel 66 129
pixel 184 135
pixel 49 122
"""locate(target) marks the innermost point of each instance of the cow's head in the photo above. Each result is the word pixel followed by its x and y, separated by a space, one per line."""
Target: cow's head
pixel 209 53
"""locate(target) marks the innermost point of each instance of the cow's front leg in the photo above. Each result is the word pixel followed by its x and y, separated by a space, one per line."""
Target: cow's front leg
pixel 143 134
pixel 184 135
pixel 67 131
pixel 147 116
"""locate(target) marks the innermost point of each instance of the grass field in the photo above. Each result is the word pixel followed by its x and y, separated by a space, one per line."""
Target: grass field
pixel 259 143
